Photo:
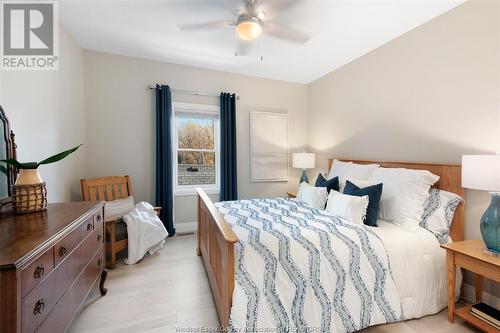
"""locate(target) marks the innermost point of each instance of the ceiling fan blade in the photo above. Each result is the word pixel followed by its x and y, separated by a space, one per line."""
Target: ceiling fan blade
pixel 291 35
pixel 192 27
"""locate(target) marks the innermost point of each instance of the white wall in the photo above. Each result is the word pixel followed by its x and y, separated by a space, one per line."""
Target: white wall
pixel 432 94
pixel 46 111
pixel 121 126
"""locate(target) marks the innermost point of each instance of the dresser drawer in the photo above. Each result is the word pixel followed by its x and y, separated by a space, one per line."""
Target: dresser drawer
pixel 60 317
pixel 64 247
pixel 37 271
pixel 39 302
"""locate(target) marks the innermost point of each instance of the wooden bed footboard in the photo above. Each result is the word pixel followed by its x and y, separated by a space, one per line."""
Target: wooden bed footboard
pixel 216 247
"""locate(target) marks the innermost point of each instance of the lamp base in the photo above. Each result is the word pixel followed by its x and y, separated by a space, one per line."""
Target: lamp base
pixel 491 253
pixel 303 178
pixel 490 224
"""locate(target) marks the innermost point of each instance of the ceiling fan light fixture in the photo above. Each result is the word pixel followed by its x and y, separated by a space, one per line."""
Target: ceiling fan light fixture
pixel 248 28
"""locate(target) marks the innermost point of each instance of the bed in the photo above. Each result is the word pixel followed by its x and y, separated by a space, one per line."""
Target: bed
pixel 217 242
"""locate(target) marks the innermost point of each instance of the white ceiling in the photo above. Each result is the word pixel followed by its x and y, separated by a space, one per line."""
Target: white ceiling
pixel 341 31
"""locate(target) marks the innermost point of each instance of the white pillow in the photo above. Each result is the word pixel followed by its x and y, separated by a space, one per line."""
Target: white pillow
pixel 116 209
pixel 439 209
pixel 361 183
pixel 349 207
pixel 347 170
pixel 312 195
pixel 404 194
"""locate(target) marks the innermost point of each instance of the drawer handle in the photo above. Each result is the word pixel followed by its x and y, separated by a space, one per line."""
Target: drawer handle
pixel 39 306
pixel 89 226
pixel 39 271
pixel 62 251
pixel 99 237
pixel 99 262
pixel 99 218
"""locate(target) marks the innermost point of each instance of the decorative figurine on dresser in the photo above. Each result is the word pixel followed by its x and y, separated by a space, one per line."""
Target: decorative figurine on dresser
pixel 49 260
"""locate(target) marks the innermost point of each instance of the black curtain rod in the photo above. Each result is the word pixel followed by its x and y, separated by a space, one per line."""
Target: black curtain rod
pixel 192 92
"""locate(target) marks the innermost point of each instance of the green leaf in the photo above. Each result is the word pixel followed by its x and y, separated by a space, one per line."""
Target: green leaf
pixel 18 165
pixel 60 156
pixel 14 163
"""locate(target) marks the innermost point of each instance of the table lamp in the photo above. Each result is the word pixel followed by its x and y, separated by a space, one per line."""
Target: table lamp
pixel 304 161
pixel 482 172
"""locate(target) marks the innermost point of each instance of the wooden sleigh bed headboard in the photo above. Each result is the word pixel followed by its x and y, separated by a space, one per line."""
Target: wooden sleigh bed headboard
pixel 450 180
pixel 216 239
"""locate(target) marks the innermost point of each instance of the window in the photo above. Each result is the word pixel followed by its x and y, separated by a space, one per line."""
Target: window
pixel 196 148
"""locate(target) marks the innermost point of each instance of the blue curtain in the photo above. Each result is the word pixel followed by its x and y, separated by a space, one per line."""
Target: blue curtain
pixel 164 186
pixel 228 186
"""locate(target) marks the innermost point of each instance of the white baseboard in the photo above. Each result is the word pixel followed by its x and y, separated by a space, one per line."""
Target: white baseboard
pixel 488 298
pixel 186 228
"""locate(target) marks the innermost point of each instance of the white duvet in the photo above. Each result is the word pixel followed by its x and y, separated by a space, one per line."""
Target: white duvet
pixel 418 266
pixel 301 269
pixel 280 285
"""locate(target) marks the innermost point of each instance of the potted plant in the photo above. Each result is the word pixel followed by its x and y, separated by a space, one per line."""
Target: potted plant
pixel 29 193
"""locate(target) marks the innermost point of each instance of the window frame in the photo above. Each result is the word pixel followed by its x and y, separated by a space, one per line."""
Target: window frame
pixel 196 111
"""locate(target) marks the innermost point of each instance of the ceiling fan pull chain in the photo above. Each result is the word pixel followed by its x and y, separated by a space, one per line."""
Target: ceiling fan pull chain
pixel 262 47
pixel 235 43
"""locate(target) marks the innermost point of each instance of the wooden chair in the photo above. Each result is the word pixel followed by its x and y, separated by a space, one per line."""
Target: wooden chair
pixel 108 189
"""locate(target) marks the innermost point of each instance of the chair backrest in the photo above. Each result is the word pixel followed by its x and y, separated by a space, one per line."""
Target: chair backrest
pixel 106 188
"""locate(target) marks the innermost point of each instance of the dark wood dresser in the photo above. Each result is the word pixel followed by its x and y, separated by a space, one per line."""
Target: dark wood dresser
pixel 49 261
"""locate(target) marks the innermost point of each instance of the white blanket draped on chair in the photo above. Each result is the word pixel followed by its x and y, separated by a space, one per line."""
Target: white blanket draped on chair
pixel 146 232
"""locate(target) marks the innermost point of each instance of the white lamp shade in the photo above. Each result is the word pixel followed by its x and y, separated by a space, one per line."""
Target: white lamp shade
pixel 304 160
pixel 481 172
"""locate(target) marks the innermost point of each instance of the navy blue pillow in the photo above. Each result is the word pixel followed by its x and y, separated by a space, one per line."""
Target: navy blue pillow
pixel 374 193
pixel 330 184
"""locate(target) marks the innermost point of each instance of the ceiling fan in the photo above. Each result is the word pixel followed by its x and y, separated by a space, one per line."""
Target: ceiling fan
pixel 251 22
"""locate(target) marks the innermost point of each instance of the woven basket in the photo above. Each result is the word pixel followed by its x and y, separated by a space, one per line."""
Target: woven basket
pixel 29 198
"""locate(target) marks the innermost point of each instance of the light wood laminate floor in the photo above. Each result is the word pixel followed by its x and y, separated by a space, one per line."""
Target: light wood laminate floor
pixel 170 290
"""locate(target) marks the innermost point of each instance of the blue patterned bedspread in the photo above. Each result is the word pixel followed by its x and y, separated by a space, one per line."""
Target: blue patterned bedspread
pixel 302 269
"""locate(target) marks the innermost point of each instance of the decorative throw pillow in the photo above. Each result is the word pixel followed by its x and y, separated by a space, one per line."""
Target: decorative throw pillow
pixel 346 170
pixel 348 207
pixel 312 195
pixel 374 193
pixel 439 209
pixel 116 209
pixel 405 191
pixel 330 184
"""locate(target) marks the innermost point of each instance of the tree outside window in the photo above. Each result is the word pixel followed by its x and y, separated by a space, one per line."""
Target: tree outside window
pixel 196 151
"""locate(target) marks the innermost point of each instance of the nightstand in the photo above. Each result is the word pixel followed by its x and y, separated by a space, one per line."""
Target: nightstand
pixel 291 195
pixel 472 256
